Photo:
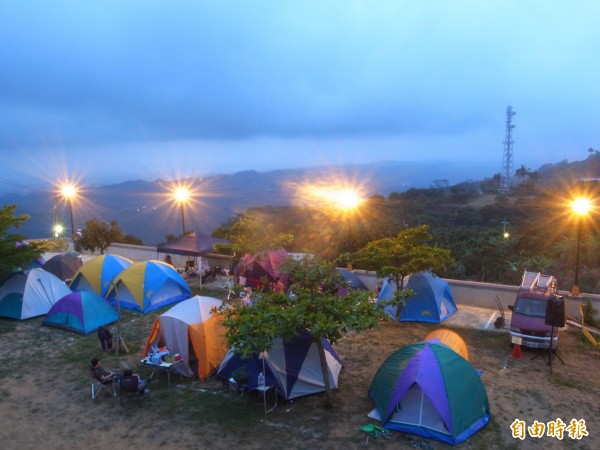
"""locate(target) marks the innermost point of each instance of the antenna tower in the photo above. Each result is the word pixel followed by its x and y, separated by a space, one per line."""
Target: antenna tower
pixel 507 156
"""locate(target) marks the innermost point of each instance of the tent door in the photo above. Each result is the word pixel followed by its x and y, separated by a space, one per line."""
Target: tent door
pixel 415 408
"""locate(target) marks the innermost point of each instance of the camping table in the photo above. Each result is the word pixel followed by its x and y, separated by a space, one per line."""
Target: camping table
pixel 165 367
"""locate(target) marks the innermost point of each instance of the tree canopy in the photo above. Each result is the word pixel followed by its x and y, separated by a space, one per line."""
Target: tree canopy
pixel 313 303
pixel 250 233
pixel 14 253
pixel 98 235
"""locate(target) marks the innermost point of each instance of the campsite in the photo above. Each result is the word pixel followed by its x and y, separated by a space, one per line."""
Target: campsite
pixel 46 394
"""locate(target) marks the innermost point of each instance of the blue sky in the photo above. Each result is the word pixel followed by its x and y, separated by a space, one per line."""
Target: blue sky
pixel 113 90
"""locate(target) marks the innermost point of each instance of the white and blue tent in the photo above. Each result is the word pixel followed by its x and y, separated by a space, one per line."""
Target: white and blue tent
pixel 31 293
pixel 432 302
pixel 293 368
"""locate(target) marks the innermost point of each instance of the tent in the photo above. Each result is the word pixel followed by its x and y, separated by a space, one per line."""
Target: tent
pixel 148 285
pixel 293 368
pixel 31 293
pixel 193 331
pixel 353 281
pixel 64 266
pixel 428 390
pixel 97 274
pixel 81 312
pixel 451 339
pixel 192 244
pixel 432 302
pixel 261 265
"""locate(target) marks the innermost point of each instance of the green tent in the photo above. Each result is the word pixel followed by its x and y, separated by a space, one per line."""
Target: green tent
pixel 429 390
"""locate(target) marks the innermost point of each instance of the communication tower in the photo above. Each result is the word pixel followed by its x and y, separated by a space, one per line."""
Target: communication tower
pixel 507 156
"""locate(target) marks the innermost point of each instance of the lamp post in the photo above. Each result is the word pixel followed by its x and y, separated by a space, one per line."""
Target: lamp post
pixel 580 206
pixel 182 195
pixel 69 192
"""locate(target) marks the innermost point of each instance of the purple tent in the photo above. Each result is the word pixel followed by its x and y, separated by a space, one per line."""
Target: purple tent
pixel 82 312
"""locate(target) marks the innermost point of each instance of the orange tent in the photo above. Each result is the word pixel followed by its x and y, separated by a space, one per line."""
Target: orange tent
pixel 450 339
pixel 192 330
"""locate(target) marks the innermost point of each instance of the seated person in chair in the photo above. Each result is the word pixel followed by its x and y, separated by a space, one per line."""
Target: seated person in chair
pixel 132 382
pixel 100 373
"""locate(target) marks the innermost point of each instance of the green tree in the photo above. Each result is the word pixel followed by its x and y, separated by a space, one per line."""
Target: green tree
pixel 250 234
pixel 98 235
pixel 400 256
pixel 315 306
pixel 13 256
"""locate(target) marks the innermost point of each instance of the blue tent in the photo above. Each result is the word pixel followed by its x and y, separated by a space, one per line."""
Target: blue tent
pixel 82 312
pixel 432 302
pixel 353 281
pixel 147 286
pixel 294 368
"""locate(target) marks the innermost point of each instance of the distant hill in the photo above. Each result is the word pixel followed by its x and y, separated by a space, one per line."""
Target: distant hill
pixel 143 209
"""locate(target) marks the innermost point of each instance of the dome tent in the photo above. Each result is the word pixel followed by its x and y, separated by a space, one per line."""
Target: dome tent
pixel 81 312
pixel 451 339
pixel 191 329
pixel 31 293
pixel 429 390
pixel 97 274
pixel 433 300
pixel 294 367
pixel 147 286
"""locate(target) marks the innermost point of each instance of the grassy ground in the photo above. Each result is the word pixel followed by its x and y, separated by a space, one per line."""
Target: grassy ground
pixel 45 395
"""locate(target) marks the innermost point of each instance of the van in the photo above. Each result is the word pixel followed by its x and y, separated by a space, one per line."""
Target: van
pixel 528 323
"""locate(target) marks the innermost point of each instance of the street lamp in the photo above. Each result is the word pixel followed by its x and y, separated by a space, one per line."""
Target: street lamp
pixel 69 192
pixel 580 206
pixel 182 195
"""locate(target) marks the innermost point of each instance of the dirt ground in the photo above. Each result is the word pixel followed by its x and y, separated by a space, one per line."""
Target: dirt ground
pixel 45 397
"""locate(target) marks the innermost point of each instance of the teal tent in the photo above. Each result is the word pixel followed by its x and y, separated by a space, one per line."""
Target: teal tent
pixel 82 312
pixel 429 390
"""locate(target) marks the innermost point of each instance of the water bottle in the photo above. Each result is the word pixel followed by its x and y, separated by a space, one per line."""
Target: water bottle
pixel 261 379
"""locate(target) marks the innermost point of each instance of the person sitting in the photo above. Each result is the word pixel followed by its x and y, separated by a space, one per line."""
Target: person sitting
pixel 106 339
pixel 168 260
pixel 101 374
pixel 130 380
pixel 278 286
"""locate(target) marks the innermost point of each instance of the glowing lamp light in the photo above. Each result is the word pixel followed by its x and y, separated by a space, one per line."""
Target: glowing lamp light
pixel 181 194
pixel 581 206
pixel 58 230
pixel 68 191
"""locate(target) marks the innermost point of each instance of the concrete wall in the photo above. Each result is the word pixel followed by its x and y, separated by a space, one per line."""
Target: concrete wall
pixel 139 253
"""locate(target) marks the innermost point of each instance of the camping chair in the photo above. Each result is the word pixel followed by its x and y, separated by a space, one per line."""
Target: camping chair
pixel 374 431
pixel 236 389
pixel 98 384
pixel 129 387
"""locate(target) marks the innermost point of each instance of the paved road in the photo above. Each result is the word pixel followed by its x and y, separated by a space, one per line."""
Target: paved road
pixel 477 317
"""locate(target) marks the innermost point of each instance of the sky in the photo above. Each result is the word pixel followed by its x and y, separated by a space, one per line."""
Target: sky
pixel 103 92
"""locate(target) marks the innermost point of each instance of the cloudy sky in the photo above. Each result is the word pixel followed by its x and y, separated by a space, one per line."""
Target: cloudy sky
pixel 113 90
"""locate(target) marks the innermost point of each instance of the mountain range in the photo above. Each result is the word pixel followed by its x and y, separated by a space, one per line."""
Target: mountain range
pixel 146 209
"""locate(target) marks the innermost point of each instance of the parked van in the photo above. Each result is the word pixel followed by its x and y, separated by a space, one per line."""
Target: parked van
pixel 528 323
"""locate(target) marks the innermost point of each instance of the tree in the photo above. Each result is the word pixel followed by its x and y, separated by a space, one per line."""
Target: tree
pixel 315 306
pixel 249 234
pixel 97 235
pixel 14 256
pixel 400 256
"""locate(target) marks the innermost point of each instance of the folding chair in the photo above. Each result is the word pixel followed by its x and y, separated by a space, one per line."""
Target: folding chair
pixel 98 384
pixel 236 390
pixel 374 431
